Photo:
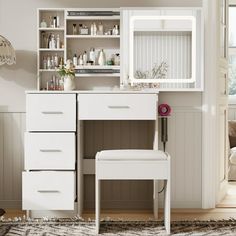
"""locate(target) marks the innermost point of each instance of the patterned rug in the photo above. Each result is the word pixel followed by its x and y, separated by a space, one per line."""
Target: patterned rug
pixel 78 227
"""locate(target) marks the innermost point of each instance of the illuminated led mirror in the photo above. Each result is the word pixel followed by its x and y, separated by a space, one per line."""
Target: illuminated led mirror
pixel 162 49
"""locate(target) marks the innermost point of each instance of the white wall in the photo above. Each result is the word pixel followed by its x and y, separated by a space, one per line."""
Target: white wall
pixel 18 24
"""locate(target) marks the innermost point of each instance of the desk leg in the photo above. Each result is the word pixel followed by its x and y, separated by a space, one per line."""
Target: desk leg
pixel 155 199
pixel 167 207
pixel 98 200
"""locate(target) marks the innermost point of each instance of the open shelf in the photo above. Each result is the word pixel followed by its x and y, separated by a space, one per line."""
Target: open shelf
pixel 98 67
pixel 51 50
pixel 98 75
pixel 47 70
pixel 92 17
pixel 51 29
pixel 93 36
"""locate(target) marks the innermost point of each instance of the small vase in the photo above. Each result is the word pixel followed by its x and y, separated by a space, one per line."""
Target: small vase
pixel 69 83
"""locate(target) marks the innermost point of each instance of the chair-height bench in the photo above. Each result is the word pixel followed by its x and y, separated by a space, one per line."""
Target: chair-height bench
pixel 134 165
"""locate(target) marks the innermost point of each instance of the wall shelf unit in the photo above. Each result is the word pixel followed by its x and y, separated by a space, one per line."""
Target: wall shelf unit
pixel 146 38
pixel 72 42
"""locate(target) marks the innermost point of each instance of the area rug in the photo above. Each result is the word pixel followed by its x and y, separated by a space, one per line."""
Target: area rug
pixel 78 227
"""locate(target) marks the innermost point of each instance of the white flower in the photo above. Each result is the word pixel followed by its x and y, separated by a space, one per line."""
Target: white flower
pixel 68 64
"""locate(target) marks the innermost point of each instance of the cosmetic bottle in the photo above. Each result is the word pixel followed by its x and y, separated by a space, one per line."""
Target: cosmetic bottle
pixel 102 58
pixel 58 41
pixel 92 56
pixel 44 63
pixel 43 24
pixel 48 62
pixel 74 29
pixel 85 58
pixel 115 30
pixel 100 29
pixel 56 60
pixel 54 22
pixel 51 21
pixel 75 60
pixel 58 21
pixel 52 42
pixel 52 63
pixel 80 61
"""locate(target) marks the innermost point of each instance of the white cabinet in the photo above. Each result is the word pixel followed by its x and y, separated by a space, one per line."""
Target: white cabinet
pixel 117 106
pixel 48 190
pixel 51 112
pixel 50 151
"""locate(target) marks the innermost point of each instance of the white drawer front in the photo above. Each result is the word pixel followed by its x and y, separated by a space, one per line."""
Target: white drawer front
pixel 117 106
pixel 49 151
pixel 48 190
pixel 51 112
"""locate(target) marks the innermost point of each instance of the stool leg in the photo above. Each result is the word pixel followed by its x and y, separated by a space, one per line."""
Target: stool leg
pixel 97 220
pixel 167 207
pixel 155 199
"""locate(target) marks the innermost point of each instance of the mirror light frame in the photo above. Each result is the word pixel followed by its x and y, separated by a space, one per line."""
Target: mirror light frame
pixel 132 79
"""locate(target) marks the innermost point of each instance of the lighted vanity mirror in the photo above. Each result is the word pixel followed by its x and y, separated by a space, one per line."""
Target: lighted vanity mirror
pixel 162 49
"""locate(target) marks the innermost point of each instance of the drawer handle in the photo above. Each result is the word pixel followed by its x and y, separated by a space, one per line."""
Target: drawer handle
pixel 52 112
pixel 119 107
pixel 50 150
pixel 48 191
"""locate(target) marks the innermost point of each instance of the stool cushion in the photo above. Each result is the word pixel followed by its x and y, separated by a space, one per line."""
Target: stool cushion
pixel 131 154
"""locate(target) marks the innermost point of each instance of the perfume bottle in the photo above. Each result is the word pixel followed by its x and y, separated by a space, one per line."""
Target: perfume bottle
pixel 115 30
pixel 100 29
pixel 74 29
pixel 52 42
pixel 51 21
pixel 44 39
pixel 117 59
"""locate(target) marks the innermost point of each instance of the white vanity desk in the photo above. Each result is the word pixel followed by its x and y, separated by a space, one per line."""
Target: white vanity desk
pixel 54 159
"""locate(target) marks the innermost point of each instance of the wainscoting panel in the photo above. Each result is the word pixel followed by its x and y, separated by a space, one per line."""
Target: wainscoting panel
pixel 232 112
pixel 102 135
pixel 12 128
pixel 184 146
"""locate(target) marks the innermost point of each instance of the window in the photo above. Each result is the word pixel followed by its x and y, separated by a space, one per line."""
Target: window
pixel 232 50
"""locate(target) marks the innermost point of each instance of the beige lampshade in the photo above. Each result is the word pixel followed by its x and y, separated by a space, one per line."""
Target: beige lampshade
pixel 7 52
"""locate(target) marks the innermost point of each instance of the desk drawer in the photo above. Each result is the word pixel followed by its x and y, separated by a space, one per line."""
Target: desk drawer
pixel 117 106
pixel 51 112
pixel 50 151
pixel 48 190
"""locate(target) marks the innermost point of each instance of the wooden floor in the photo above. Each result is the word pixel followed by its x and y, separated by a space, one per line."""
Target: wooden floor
pixel 176 214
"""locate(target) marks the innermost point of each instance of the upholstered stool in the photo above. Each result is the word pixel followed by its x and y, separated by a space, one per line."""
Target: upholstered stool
pixel 134 165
